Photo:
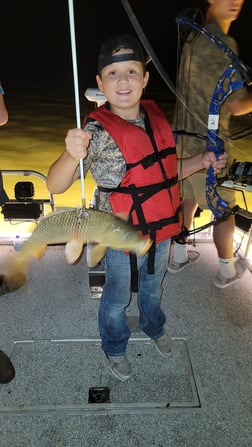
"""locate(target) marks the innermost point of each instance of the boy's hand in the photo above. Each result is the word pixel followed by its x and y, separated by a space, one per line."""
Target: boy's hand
pixel 77 142
pixel 209 158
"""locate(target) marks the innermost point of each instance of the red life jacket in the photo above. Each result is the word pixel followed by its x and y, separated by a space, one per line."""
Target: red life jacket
pixel 149 190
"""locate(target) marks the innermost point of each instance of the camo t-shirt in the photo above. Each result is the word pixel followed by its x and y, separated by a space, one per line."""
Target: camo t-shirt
pixel 105 160
pixel 201 66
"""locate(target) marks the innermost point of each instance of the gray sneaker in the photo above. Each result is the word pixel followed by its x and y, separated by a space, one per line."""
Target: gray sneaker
pixel 221 282
pixel 164 345
pixel 120 369
pixel 175 267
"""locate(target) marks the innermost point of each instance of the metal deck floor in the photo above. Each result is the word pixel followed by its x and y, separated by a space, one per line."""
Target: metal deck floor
pixel 200 397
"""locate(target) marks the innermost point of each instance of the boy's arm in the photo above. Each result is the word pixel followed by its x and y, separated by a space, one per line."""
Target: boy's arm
pixel 63 172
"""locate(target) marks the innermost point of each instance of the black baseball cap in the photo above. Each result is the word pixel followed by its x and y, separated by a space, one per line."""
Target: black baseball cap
pixel 109 48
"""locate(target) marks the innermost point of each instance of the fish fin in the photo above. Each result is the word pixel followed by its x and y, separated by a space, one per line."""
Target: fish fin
pixel 95 253
pixel 19 261
pixel 145 246
pixel 15 274
pixel 38 250
pixel 73 250
pixel 123 215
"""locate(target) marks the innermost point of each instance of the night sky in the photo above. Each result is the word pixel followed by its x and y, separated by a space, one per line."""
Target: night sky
pixel 36 45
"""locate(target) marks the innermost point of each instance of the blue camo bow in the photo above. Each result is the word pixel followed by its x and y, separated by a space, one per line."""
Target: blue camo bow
pixel 228 83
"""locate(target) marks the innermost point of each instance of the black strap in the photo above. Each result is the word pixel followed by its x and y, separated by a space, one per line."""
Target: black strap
pixel 153 226
pixel 151 254
pixel 133 272
pixel 150 159
pixel 150 265
pixel 149 190
pixel 151 135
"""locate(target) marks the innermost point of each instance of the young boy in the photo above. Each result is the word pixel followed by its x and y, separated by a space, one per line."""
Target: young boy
pixel 129 148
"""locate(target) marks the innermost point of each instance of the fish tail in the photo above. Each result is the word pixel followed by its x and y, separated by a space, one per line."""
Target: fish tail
pixel 17 264
pixel 31 248
pixel 15 275
pixel 10 283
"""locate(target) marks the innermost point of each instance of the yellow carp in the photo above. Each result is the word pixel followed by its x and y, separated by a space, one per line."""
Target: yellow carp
pixel 75 228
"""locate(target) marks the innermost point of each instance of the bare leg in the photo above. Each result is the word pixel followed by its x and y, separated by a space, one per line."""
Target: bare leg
pixel 229 270
pixel 223 237
pixel 189 207
pixel 181 256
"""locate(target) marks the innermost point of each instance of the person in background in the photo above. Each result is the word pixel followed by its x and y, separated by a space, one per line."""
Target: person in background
pixel 202 64
pixel 3 111
pixel 128 146
pixel 3 120
pixel 7 370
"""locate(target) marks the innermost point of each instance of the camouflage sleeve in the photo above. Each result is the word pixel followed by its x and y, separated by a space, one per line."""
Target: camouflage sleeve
pixel 105 161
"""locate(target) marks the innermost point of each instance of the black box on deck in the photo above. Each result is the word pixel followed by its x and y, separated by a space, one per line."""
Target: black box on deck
pixel 22 210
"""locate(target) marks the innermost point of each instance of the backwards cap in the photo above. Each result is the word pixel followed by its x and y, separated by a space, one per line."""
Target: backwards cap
pixel 109 48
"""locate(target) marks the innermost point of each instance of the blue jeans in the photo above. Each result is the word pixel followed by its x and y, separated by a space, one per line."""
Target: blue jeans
pixel 114 330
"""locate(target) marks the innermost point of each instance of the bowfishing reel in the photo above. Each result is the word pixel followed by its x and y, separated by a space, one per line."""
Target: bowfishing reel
pixel 240 174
